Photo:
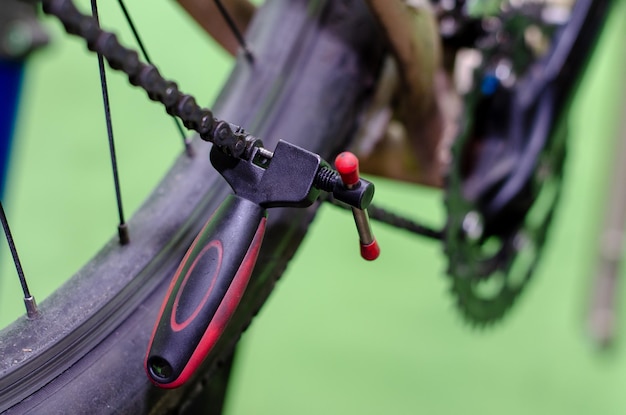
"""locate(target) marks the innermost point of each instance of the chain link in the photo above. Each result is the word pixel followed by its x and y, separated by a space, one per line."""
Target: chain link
pixel 383 215
pixel 148 78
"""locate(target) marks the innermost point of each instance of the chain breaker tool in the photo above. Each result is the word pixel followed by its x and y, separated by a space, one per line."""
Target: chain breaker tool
pixel 213 275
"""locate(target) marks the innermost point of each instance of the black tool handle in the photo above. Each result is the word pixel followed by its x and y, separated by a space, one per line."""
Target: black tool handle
pixel 205 291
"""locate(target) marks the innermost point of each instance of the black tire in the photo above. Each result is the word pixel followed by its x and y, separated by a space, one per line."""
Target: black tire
pixel 316 62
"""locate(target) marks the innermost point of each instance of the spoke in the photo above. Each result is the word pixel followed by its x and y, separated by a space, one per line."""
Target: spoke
pixel 122 227
pixel 144 52
pixel 233 27
pixel 29 300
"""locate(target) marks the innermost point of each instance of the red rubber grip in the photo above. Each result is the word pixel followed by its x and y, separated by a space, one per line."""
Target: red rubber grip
pixel 370 251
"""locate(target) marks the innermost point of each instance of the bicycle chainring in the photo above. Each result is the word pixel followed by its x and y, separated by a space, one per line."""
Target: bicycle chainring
pixel 488 272
pixel 493 245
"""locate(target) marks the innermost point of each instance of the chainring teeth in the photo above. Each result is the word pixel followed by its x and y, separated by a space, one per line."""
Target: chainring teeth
pixel 481 311
pixel 470 261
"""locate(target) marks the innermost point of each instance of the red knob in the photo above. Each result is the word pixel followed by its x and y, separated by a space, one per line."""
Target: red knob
pixel 347 165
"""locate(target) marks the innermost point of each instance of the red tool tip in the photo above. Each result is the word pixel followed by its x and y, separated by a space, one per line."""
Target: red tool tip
pixel 347 165
pixel 371 251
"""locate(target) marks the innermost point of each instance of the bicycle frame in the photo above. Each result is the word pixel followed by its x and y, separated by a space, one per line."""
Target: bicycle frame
pixel 11 74
pixel 20 34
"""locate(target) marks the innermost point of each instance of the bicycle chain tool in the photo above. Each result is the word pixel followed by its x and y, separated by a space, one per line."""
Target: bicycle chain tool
pixel 211 279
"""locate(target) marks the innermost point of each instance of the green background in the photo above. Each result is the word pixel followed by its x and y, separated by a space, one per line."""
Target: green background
pixel 338 335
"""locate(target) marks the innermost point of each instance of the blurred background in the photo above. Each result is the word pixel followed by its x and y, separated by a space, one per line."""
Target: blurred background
pixel 338 335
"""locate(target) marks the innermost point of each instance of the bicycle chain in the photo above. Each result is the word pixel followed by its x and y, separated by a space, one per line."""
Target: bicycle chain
pixel 184 106
pixel 384 215
pixel 147 77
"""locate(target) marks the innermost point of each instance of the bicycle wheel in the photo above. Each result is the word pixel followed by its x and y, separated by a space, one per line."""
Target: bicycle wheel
pixel 315 63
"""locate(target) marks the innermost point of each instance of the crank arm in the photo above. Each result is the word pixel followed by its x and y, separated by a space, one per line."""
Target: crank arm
pixel 205 291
